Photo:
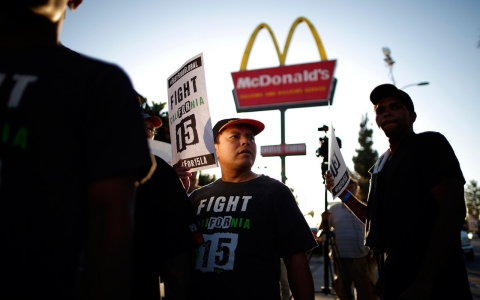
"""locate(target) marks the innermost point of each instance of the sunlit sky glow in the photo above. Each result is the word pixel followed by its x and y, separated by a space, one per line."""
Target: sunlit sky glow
pixel 434 41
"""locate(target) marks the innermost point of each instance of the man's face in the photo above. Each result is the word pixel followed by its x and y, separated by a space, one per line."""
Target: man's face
pixel 53 10
pixel 393 117
pixel 236 148
pixel 150 129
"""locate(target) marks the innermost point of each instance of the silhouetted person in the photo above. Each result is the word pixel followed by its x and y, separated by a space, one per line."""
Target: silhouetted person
pixel 416 184
pixel 67 166
pixel 163 242
pixel 355 266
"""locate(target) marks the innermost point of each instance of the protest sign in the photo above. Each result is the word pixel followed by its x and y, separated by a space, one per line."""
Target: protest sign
pixel 189 116
pixel 161 149
pixel 337 167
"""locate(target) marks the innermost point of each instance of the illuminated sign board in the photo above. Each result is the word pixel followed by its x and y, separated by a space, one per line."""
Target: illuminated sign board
pixel 291 86
pixel 283 149
pixel 302 85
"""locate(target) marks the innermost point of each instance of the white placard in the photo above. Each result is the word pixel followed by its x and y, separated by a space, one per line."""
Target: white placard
pixel 161 149
pixel 189 116
pixel 337 166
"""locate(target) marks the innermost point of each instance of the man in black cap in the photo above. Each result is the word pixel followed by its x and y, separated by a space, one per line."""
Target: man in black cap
pixel 416 184
pixel 249 221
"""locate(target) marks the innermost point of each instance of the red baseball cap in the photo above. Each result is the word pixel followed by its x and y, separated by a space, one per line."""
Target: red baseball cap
pixel 156 121
pixel 255 125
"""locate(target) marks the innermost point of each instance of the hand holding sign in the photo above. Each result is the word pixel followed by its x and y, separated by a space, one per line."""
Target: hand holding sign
pixel 329 181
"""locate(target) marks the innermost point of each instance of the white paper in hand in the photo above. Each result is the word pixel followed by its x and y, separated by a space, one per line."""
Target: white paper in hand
pixel 189 116
pixel 337 167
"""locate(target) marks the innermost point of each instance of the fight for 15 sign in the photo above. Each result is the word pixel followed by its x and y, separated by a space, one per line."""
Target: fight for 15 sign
pixel 189 116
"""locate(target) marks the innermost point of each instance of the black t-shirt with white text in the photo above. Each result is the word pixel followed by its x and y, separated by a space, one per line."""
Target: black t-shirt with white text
pixel 66 121
pixel 247 227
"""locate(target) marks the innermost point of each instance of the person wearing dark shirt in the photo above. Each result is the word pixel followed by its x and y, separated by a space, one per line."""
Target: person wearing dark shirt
pixel 67 168
pixel 248 221
pixel 416 183
pixel 162 241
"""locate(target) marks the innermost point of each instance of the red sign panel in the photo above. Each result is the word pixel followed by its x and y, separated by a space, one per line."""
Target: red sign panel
pixel 285 86
pixel 283 149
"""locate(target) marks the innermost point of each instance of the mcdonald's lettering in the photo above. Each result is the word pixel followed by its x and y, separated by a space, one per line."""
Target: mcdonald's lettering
pixel 305 84
pixel 302 85
pixel 267 80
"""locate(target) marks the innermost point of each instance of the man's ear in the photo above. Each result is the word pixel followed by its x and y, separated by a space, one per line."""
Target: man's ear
pixel 73 4
pixel 413 117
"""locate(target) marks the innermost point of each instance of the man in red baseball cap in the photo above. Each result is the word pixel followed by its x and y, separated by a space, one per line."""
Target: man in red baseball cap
pixel 249 221
pixel 152 123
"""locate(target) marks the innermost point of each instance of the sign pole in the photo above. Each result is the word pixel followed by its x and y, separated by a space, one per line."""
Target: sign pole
pixel 282 137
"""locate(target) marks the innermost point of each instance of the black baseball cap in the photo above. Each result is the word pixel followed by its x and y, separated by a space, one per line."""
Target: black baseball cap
pixel 255 125
pixel 389 90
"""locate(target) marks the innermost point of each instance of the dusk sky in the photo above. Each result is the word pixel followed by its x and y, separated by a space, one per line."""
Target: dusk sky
pixel 433 41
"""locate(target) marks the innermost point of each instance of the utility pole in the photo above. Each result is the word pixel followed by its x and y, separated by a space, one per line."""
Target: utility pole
pixel 389 61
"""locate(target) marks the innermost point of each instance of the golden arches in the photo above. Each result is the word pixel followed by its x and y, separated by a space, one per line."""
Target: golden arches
pixel 282 56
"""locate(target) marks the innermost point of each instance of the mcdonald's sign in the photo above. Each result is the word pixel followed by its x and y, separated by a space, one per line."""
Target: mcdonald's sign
pixel 302 85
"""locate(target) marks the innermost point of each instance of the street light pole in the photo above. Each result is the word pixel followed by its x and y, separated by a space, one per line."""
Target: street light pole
pixel 388 59
pixel 416 84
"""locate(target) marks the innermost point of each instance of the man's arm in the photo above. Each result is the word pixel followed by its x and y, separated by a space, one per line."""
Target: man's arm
pixel 357 207
pixel 449 198
pixel 300 276
pixel 108 271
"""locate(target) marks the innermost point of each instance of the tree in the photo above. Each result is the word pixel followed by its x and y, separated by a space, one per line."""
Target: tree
pixel 472 197
pixel 204 179
pixel 163 133
pixel 365 159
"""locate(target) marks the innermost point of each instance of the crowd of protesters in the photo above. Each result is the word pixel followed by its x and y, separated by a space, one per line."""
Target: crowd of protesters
pixel 88 213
